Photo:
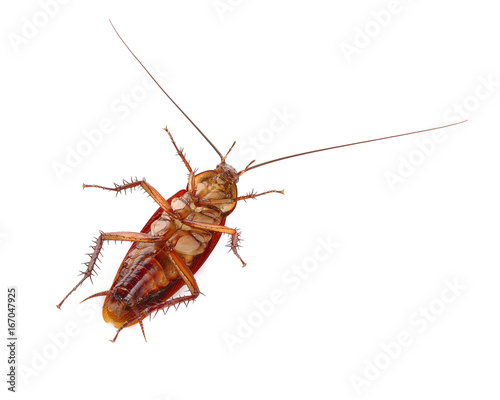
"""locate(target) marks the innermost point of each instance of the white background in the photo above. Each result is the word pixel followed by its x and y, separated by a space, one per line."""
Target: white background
pixel 229 72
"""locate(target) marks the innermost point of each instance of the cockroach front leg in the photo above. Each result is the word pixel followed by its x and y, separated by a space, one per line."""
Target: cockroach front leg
pixel 186 163
pixel 94 256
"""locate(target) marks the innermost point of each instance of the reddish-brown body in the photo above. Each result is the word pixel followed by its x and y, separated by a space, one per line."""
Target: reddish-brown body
pixel 146 277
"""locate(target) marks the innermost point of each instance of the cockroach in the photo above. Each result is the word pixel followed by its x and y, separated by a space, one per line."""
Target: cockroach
pixel 178 238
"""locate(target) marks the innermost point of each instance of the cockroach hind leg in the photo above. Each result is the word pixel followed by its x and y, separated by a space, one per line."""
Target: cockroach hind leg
pixel 94 257
pixel 142 329
pixel 127 323
pixel 165 305
pixel 117 332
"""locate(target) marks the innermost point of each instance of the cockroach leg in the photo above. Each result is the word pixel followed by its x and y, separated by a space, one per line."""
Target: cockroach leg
pixel 181 154
pixel 188 278
pixel 254 195
pixel 132 237
pixel 90 267
pixel 235 235
pixel 155 195
pixel 150 310
pixel 142 329
pixel 127 323
pixel 179 151
pixel 94 257
pixel 184 271
pixel 248 196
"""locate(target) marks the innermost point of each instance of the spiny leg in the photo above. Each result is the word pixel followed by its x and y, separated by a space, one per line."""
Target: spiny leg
pixel 148 311
pixel 183 270
pixel 155 195
pixel 94 257
pixel 186 163
pixel 179 151
pixel 185 274
pixel 254 195
pixel 235 235
pixel 246 197
pixel 142 329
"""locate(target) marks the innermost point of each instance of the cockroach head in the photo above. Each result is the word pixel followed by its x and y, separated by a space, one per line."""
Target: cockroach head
pixel 228 172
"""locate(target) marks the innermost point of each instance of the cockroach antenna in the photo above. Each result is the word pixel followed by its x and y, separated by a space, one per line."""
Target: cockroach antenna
pixel 351 144
pixel 163 90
